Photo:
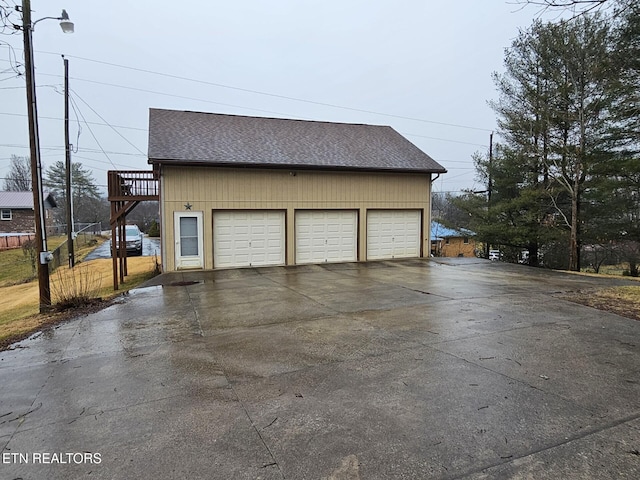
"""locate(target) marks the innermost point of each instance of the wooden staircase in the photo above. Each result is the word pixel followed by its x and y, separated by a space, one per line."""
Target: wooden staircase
pixel 126 189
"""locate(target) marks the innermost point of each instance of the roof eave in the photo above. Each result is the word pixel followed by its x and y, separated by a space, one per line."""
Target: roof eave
pixel 276 166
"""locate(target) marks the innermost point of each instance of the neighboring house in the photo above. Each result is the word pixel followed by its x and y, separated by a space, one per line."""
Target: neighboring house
pixel 246 191
pixel 17 214
pixel 447 242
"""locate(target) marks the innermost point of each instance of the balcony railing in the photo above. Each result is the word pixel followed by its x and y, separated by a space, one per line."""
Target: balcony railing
pixel 134 185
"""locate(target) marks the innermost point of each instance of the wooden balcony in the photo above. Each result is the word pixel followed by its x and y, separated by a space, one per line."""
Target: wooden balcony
pixel 134 185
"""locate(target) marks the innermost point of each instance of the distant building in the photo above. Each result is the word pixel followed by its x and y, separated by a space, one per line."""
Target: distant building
pixel 447 242
pixel 17 213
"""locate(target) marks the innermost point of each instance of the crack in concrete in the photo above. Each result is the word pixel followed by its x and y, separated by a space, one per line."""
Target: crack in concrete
pixel 298 293
pixel 53 366
pixel 195 313
pixel 255 428
pixel 586 433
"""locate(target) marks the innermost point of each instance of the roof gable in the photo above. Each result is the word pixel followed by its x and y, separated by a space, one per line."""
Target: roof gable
pixel 180 137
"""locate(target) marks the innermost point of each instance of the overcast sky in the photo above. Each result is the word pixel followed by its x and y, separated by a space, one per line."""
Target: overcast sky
pixel 421 66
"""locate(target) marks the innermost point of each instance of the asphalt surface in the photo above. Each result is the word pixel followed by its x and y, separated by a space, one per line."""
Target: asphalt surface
pixel 408 369
pixel 150 247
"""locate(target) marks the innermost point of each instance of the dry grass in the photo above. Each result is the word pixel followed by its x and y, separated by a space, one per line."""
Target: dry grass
pixel 75 287
pixel 19 303
pixel 15 265
pixel 623 301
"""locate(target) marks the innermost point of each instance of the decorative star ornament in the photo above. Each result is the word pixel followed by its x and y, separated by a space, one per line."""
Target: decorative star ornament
pixel 188 206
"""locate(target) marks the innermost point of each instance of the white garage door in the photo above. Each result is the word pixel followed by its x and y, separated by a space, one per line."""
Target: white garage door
pixel 393 234
pixel 243 239
pixel 326 236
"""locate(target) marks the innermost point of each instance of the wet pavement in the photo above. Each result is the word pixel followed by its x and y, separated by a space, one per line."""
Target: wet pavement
pixel 150 248
pixel 409 369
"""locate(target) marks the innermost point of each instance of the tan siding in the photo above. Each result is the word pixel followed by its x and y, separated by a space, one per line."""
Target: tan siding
pixel 457 248
pixel 208 189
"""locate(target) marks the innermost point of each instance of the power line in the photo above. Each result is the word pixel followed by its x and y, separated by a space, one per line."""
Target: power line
pixel 60 118
pixel 183 97
pixel 446 140
pixel 107 123
pixel 257 92
pixel 269 94
pixel 128 167
pixel 89 150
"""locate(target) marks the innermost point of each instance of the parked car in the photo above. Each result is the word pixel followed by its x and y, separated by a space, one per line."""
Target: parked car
pixel 494 255
pixel 133 240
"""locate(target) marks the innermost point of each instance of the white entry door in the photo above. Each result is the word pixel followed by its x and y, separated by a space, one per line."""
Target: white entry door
pixel 326 236
pixel 248 238
pixel 393 234
pixel 188 238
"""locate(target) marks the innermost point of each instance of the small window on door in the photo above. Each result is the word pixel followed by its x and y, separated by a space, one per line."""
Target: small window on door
pixel 5 214
pixel 189 236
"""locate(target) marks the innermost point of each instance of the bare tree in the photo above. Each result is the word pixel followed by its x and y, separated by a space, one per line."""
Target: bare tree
pixel 19 177
pixel 577 7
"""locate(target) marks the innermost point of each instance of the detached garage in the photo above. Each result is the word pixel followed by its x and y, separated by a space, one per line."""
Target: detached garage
pixel 241 191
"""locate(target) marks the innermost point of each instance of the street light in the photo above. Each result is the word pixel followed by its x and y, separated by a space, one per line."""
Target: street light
pixel 44 256
pixel 65 23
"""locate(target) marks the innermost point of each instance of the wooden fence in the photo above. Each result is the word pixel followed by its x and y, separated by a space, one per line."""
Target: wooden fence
pixel 10 241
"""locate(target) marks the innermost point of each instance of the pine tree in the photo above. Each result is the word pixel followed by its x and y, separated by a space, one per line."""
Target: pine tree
pixel 86 197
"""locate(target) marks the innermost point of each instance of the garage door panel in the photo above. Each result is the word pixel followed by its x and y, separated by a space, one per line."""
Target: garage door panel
pixel 326 236
pixel 248 239
pixel 393 234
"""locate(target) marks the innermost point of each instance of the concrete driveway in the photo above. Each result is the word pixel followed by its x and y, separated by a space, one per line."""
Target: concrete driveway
pixel 406 369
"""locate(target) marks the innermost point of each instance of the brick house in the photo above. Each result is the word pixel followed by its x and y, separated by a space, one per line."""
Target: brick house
pixel 17 213
pixel 447 242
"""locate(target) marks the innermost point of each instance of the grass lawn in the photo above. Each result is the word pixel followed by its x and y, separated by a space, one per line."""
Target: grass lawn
pixel 623 301
pixel 15 265
pixel 19 303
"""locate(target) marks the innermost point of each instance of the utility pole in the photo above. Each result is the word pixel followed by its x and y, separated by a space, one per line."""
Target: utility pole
pixel 36 165
pixel 67 148
pixel 489 185
pixel 490 167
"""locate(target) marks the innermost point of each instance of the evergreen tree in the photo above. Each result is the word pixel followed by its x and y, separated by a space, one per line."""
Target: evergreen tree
pixel 86 197
pixel 553 115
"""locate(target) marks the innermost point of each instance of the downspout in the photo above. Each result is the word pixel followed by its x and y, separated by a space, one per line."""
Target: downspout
pixel 428 226
pixel 163 236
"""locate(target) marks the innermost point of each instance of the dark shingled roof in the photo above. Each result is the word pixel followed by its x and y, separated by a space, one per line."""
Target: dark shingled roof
pixel 177 137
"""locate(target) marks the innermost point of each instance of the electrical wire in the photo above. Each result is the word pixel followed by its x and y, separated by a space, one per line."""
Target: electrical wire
pixel 91 132
pixel 79 131
pixel 107 123
pixel 285 97
pixel 273 95
pixel 182 97
pixel 60 118
pixel 7 25
pixel 89 150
